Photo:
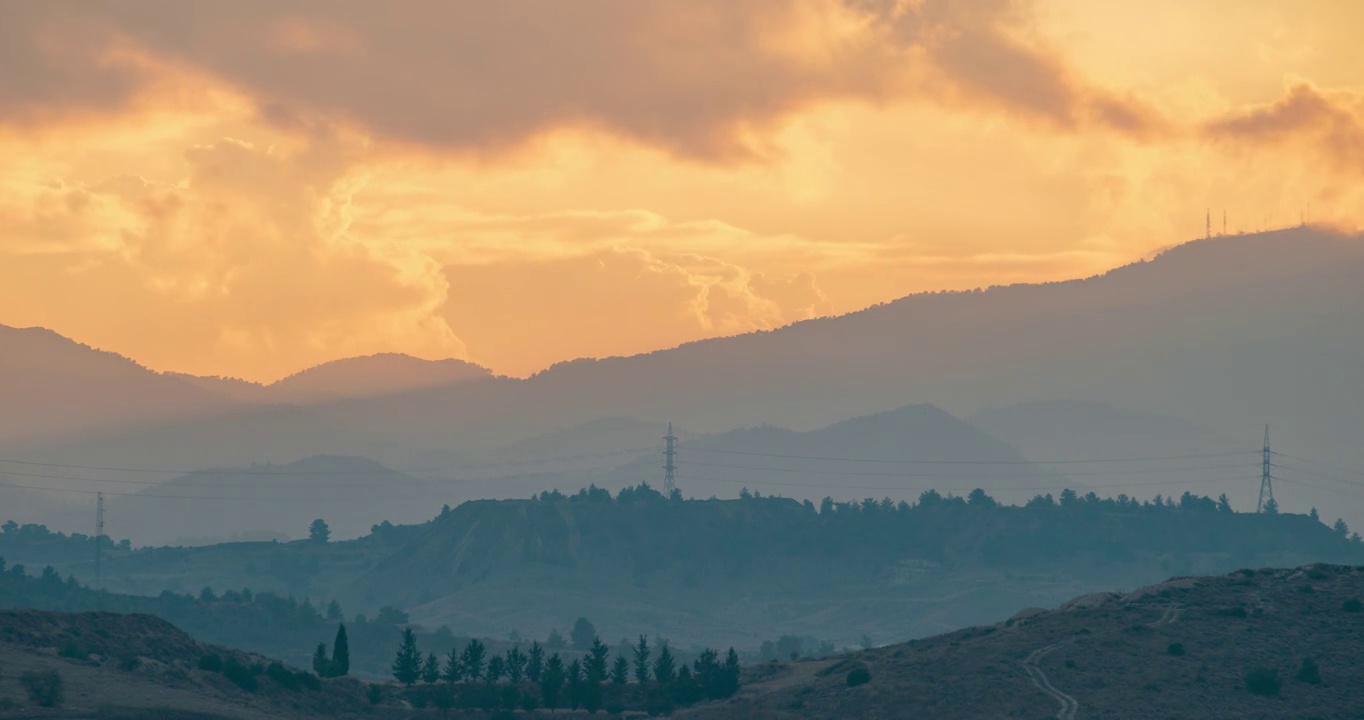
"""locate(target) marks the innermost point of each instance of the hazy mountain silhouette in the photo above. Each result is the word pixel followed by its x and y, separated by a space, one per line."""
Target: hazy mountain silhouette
pixel 1226 333
pixel 853 458
pixel 351 494
pixel 52 386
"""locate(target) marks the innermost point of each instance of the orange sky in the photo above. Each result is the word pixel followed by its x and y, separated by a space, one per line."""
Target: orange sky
pixel 253 187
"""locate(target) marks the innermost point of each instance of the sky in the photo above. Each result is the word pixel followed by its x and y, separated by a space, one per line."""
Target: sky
pixel 250 188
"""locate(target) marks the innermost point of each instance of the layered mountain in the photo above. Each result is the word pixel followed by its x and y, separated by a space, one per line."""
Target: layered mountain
pixel 897 454
pixel 1227 333
pixel 266 501
pixel 54 387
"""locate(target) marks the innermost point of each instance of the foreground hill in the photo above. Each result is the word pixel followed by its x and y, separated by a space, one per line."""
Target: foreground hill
pixel 1253 644
pixel 138 666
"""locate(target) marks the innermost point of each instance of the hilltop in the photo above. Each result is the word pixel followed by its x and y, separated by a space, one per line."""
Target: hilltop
pixel 1232 646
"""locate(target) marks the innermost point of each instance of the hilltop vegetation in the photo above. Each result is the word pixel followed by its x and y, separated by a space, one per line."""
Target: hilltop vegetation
pixel 715 572
pixel 1253 644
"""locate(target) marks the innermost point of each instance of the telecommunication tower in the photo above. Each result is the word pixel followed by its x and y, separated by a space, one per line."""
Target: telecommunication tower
pixel 99 531
pixel 670 462
pixel 1266 478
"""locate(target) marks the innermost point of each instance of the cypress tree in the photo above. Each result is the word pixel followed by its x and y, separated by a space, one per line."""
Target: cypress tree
pixel 340 665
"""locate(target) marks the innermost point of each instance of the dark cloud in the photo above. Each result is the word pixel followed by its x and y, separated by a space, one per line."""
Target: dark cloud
pixel 1329 124
pixel 692 77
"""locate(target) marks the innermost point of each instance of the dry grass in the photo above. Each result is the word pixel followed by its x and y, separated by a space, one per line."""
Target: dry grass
pixel 1112 656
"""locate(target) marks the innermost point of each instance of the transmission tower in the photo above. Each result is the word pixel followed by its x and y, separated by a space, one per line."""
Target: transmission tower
pixel 1207 233
pixel 670 462
pixel 99 531
pixel 1266 479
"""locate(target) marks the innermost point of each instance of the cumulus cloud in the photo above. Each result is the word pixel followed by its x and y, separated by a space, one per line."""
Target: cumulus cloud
pixel 697 78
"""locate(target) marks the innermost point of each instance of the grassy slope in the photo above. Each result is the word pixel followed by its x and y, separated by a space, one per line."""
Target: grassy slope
pixel 1110 655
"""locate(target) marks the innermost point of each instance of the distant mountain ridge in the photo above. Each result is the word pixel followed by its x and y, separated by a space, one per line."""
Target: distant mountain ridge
pixel 1227 333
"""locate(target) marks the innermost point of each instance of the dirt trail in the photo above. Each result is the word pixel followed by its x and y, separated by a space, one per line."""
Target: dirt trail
pixel 1069 706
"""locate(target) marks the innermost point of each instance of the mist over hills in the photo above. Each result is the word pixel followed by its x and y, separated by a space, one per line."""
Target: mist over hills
pixel 897 454
pixel 1182 335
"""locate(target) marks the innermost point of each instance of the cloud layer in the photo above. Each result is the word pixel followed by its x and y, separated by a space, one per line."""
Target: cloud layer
pixel 248 188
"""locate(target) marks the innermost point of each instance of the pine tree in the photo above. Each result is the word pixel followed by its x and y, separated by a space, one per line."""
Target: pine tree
pixel 407 666
pixel 665 667
pixel 472 659
pixel 706 672
pixel 334 611
pixel 730 673
pixel 551 681
pixel 319 532
pixel 454 670
pixel 431 670
pixel 321 663
pixel 595 664
pixel 620 671
pixel 516 665
pixel 496 667
pixel 535 662
pixel 340 666
pixel 575 683
pixel 642 661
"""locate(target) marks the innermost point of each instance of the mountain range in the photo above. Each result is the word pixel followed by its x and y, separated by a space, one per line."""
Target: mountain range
pixel 1225 335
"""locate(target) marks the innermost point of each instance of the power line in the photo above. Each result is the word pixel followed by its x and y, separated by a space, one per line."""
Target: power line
pixel 1061 485
pixel 969 462
pixel 816 471
pixel 1340 468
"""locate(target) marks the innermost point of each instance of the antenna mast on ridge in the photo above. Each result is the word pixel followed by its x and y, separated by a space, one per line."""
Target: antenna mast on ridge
pixel 670 463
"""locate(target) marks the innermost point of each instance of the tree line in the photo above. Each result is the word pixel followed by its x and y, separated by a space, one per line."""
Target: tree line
pixel 471 677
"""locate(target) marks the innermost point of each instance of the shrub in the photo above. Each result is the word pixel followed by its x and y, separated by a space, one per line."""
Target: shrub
pixel 1236 612
pixel 1308 672
pixel 1263 681
pixel 309 680
pixel 283 676
pixel 859 676
pixel 375 694
pixel 43 688
pixel 1175 649
pixel 240 675
pixel 1352 605
pixel 72 649
pixel 210 663
pixel 129 663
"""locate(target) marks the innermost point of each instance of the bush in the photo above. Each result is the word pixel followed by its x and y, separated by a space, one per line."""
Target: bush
pixel 43 688
pixel 1175 649
pixel 1263 681
pixel 283 676
pixel 129 663
pixel 72 649
pixel 375 694
pixel 1308 672
pixel 859 676
pixel 309 680
pixel 240 675
pixel 210 663
pixel 1352 605
pixel 1236 612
